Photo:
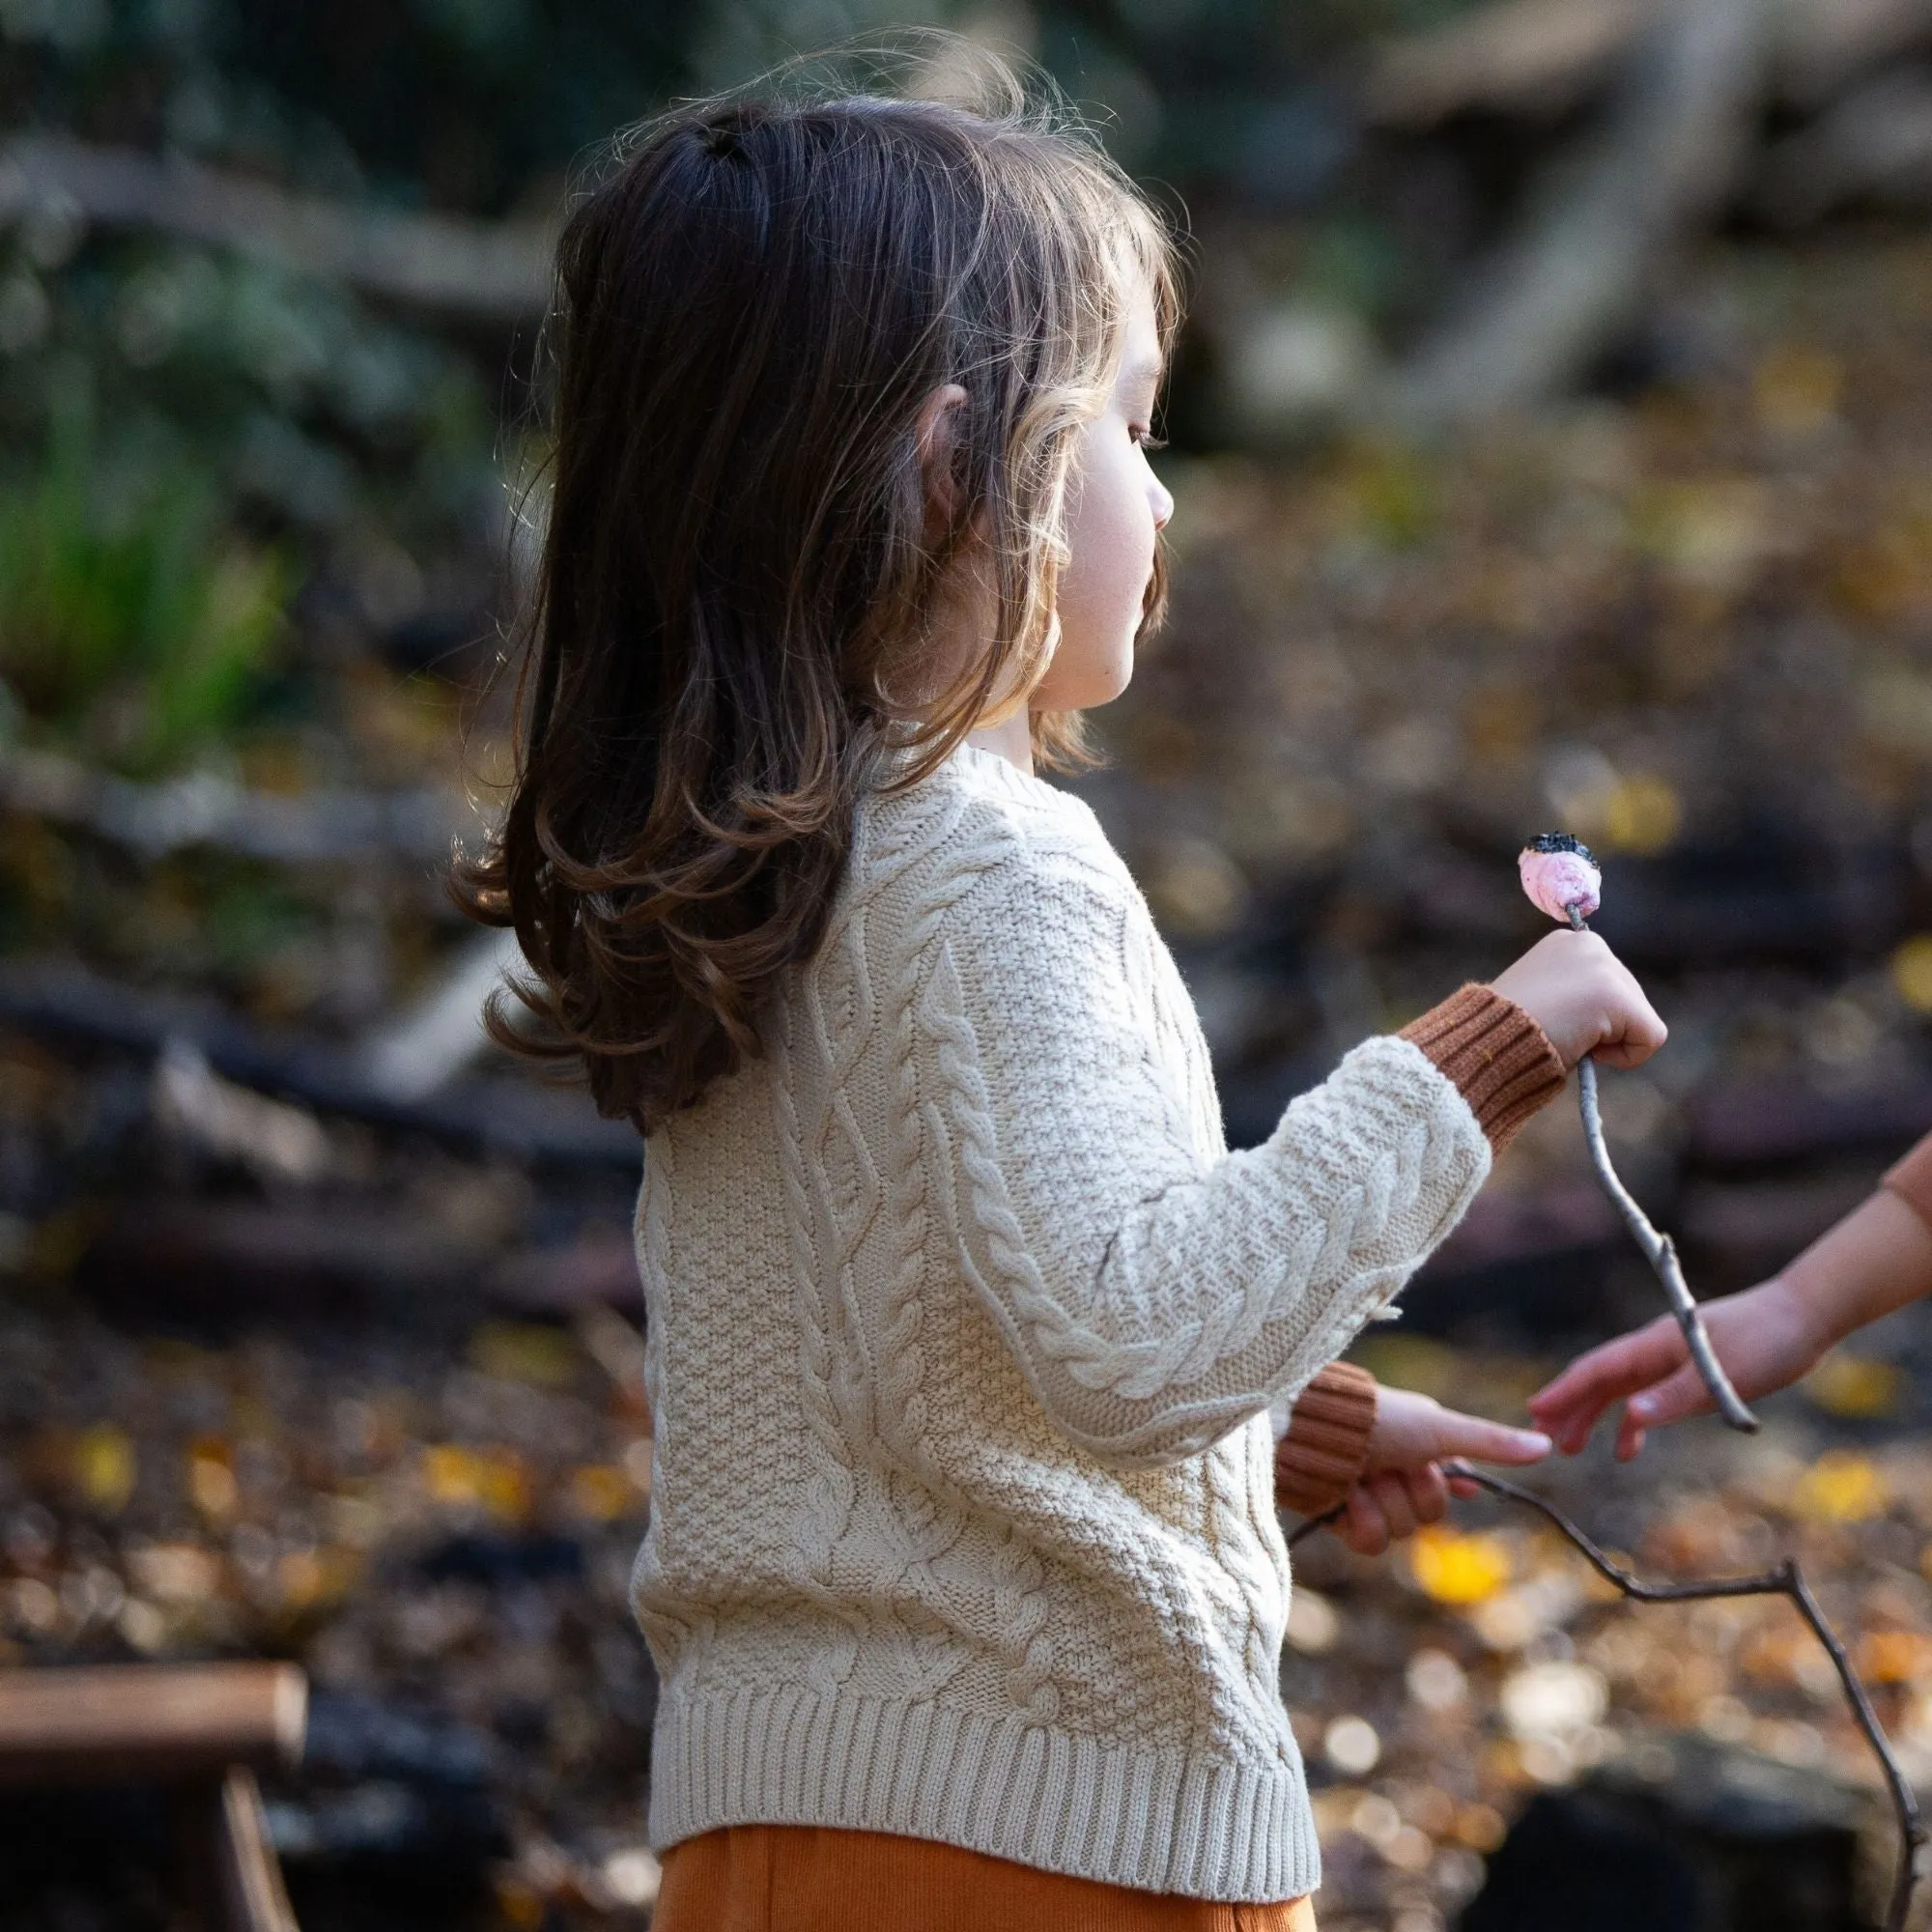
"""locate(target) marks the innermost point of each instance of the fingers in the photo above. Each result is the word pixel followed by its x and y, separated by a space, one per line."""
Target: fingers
pixel 1631 1050
pixel 1636 1030
pixel 1672 1400
pixel 1567 1408
pixel 1428 1492
pixel 1391 1494
pixel 1362 1525
pixel 1484 1441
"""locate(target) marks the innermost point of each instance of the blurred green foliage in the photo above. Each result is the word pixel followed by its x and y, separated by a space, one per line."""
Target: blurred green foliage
pixel 127 616
pixel 217 476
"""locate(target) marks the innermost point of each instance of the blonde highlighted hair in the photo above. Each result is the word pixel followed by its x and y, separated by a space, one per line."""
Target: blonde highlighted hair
pixel 726 646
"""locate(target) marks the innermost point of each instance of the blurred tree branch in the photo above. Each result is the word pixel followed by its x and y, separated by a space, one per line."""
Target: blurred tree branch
pixel 1596 234
pixel 1786 1580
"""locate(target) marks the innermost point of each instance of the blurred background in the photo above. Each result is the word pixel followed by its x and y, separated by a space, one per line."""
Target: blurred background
pixel 1551 438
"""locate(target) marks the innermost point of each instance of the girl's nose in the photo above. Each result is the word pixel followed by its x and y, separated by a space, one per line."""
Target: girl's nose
pixel 1163 506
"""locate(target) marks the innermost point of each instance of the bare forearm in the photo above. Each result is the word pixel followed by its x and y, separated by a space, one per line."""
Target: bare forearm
pixel 1873 1262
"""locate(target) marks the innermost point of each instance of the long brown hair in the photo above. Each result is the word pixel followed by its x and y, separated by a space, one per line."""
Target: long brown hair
pixel 724 639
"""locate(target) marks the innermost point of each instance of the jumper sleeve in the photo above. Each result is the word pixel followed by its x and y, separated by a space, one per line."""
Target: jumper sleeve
pixel 1499 1057
pixel 1156 1291
pixel 1326 1446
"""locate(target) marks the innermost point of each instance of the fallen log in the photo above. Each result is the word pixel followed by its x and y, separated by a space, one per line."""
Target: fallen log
pixel 1543 57
pixel 1517 57
pixel 500 272
pixel 203 809
pixel 542 1125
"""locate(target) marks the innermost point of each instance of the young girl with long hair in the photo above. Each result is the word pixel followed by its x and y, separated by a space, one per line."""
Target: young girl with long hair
pixel 970 1343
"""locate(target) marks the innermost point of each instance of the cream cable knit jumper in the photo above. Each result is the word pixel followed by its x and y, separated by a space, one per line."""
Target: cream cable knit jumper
pixel 963 1328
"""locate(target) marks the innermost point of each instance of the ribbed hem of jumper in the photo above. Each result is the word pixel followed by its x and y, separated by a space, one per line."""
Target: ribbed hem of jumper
pixel 1910 1179
pixel 1500 1060
pixel 1327 1447
pixel 1162 1821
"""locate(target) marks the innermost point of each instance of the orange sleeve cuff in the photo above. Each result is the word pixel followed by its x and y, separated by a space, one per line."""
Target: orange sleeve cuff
pixel 1500 1060
pixel 1910 1179
pixel 1327 1447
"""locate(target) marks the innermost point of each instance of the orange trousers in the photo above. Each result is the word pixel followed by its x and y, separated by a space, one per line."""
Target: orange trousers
pixel 806 1878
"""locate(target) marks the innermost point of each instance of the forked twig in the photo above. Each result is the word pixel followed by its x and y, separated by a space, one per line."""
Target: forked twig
pixel 1659 1250
pixel 1787 1579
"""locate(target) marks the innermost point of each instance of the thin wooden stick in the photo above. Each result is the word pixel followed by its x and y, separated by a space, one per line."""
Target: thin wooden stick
pixel 1787 1579
pixel 1659 1250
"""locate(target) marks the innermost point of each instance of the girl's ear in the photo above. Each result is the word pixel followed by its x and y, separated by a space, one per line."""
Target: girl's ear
pixel 936 438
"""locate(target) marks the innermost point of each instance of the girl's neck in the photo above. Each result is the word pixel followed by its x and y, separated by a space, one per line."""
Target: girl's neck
pixel 1011 738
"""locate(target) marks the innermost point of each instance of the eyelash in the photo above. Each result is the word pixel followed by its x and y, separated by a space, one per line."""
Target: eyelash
pixel 1147 440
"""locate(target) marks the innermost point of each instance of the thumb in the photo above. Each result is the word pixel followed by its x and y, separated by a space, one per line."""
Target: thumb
pixel 1484 1441
pixel 1672 1400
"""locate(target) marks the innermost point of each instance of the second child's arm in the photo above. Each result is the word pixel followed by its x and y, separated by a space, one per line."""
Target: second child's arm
pixel 1874 1261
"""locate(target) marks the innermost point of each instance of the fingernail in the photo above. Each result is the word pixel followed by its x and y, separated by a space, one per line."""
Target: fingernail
pixel 1534 1441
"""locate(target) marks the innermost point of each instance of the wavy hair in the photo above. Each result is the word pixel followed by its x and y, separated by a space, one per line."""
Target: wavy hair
pixel 727 644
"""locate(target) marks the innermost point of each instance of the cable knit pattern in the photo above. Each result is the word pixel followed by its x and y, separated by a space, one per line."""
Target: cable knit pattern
pixel 964 1329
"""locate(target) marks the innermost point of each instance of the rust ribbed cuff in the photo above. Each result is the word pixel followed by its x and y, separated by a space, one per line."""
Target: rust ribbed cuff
pixel 1910 1179
pixel 1327 1447
pixel 1499 1058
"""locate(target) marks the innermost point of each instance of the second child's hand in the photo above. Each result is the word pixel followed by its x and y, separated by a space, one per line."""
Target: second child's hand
pixel 1764 1337
pixel 1874 1261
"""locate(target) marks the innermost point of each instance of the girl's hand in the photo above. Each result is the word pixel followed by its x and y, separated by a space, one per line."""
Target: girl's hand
pixel 1584 999
pixel 1403 1484
pixel 1766 1338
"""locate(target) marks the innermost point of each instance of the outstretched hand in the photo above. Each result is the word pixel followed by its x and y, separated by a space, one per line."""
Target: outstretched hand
pixel 1403 1484
pixel 1766 1338
pixel 1876 1260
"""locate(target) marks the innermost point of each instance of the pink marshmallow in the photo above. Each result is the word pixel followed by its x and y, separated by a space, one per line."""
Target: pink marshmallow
pixel 1555 881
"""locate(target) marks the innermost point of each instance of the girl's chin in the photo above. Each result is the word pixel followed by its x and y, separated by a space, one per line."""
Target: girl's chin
pixel 1097 680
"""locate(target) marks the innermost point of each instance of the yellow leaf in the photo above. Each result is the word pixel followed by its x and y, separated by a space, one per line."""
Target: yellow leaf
pixel 104 1467
pixel 1894 1657
pixel 211 1476
pixel 525 1352
pixel 492 1479
pixel 603 1492
pixel 310 1576
pixel 1839 1488
pixel 1641 815
pixel 1456 1569
pixel 1912 972
pixel 1854 1386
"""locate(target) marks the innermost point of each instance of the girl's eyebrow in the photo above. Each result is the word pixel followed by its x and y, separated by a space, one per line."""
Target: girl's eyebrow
pixel 1141 375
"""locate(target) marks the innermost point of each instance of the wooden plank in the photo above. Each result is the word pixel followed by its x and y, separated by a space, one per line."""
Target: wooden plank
pixel 169 1724
pixel 247 1874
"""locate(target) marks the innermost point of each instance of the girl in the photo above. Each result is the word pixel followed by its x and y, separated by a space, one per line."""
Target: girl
pixel 964 1578
pixel 1872 1262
